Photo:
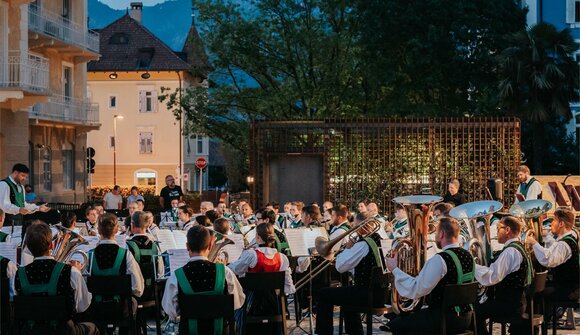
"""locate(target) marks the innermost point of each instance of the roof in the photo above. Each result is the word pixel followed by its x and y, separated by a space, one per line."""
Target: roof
pixel 126 45
pixel 194 51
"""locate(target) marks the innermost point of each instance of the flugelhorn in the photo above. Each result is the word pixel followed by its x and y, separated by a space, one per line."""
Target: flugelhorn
pixel 412 251
pixel 216 254
pixel 65 246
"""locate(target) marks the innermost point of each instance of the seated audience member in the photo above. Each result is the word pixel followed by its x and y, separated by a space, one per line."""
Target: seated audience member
pixel 453 265
pixel 562 258
pixel 508 275
pixel 197 276
pixel 45 275
pixel 265 258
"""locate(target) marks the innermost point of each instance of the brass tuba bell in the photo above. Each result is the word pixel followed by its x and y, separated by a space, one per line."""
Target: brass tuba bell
pixel 65 245
pixel 216 254
pixel 529 211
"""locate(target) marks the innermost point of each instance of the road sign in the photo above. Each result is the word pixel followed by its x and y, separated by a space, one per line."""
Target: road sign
pixel 185 177
pixel 201 163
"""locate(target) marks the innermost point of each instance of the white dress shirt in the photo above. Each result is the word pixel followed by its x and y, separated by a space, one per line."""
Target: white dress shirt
pixel 5 203
pixel 432 272
pixel 249 259
pixel 81 293
pixel 558 253
pixel 170 302
pixel 160 266
pixel 303 263
pixel 137 281
pixel 11 269
pixel 349 258
pixel 533 191
pixel 507 262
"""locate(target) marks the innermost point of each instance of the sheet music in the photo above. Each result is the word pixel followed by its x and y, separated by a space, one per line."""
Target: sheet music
pixel 250 235
pixel 17 236
pixel 8 250
pixel 234 250
pixel 171 239
pixel 121 240
pixel 177 258
pixel 300 240
pixel 386 245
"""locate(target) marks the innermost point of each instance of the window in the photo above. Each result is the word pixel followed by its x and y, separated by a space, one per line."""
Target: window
pixel 66 10
pixel 112 102
pixel 199 145
pixel 68 167
pixel 146 178
pixel 47 169
pixel 67 82
pixel 145 142
pixel 147 101
pixel 111 142
pixel 119 38
pixel 577 11
pixel 145 57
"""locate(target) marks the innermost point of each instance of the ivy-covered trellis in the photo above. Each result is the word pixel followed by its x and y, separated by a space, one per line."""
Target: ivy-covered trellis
pixel 379 159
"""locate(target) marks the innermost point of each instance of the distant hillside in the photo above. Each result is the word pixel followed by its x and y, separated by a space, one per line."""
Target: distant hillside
pixel 170 21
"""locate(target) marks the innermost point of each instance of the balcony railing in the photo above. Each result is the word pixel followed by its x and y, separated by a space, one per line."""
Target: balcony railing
pixel 44 22
pixel 24 71
pixel 68 110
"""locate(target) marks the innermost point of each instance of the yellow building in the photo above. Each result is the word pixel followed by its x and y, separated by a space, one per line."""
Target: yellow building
pixel 44 112
pixel 126 82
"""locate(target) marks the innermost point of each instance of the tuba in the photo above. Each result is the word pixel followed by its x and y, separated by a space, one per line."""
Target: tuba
pixel 216 254
pixel 530 211
pixel 412 251
pixel 65 245
pixel 479 237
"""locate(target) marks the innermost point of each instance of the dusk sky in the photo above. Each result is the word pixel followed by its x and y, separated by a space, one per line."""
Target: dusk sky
pixel 122 4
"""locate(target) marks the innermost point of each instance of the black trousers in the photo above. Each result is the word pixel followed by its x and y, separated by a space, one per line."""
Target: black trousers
pixel 82 328
pixel 498 308
pixel 554 293
pixel 340 296
pixel 428 320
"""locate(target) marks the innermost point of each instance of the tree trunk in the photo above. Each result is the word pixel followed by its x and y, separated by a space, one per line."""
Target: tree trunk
pixel 538 148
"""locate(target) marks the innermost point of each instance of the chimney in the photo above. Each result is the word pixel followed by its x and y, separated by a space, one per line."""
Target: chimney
pixel 137 11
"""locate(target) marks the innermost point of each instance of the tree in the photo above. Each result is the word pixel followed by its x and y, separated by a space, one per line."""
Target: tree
pixel 538 80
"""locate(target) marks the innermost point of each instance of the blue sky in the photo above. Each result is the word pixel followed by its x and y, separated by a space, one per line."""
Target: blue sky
pixel 122 4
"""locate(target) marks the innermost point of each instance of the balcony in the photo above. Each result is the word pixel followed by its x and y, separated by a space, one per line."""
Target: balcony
pixel 61 109
pixel 57 27
pixel 25 72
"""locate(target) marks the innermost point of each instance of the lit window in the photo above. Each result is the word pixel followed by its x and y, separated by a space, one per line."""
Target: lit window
pixel 146 178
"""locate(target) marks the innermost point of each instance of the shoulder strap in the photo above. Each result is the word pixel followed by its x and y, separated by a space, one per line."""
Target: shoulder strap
pixel 570 238
pixel 183 282
pixel 112 271
pixel 136 250
pixel 375 250
pixel 526 259
pixel 50 288
pixel 462 277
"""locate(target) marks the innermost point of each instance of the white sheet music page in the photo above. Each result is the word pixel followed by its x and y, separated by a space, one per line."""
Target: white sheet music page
pixel 121 240
pixel 180 238
pixel 177 258
pixel 8 250
pixel 300 240
pixel 386 245
pixel 234 250
pixel 16 236
pixel 166 240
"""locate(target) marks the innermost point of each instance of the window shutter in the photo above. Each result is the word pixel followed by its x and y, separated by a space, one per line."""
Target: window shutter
pixel 141 101
pixel 570 11
pixel 154 101
pixel 141 143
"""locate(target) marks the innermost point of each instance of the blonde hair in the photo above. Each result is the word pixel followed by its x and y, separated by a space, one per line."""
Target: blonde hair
pixel 524 169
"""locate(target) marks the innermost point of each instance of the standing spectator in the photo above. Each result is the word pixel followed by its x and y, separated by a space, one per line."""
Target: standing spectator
pixel 113 199
pixel 453 195
pixel 134 196
pixel 30 196
pixel 168 193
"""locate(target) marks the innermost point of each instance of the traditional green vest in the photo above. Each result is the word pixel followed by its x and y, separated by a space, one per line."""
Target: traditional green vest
pixel 16 196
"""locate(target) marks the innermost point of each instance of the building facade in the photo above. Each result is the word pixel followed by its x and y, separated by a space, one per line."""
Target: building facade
pixel 127 81
pixel 45 115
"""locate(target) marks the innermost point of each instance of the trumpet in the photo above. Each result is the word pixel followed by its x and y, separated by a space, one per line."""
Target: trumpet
pixel 65 246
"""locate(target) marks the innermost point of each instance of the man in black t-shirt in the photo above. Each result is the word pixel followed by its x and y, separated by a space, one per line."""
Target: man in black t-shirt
pixel 453 195
pixel 169 192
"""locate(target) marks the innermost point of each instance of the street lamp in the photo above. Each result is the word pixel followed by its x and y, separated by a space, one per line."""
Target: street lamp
pixel 115 117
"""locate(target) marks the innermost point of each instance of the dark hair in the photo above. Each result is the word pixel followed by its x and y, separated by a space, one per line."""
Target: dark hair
pixel 449 227
pixel 266 233
pixel 116 187
pixel 203 220
pixel 141 201
pixel 274 204
pixel 360 217
pixel 312 211
pixel 198 238
pixel 90 208
pixel 38 238
pixel 186 210
pixel 221 225
pixel 268 214
pixel 139 219
pixel 18 167
pixel 513 223
pixel 212 215
pixel 340 210
pixel 364 201
pixel 443 208
pixel 27 185
pixel 68 219
pixel 134 188
pixel 107 224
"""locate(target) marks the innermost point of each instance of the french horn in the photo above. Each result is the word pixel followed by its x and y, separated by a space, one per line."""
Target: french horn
pixel 412 250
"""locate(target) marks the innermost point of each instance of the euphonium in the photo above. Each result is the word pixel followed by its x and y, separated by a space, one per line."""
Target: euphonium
pixel 216 254
pixel 479 243
pixel 412 251
pixel 324 246
pixel 528 211
pixel 65 245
